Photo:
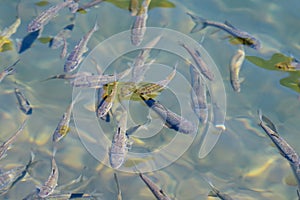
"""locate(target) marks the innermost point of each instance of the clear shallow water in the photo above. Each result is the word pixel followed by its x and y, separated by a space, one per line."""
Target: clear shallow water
pixel 242 148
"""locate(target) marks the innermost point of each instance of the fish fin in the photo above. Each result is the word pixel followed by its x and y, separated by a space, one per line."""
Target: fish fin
pixel 269 123
pixel 129 143
pixel 290 180
pixel 200 23
pixel 242 79
pixel 229 24
pixel 212 194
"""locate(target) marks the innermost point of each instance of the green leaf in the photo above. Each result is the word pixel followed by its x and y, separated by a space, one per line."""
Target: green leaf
pixel 272 63
pixel 81 11
pixel 45 40
pixel 124 4
pixel 42 3
pixel 291 82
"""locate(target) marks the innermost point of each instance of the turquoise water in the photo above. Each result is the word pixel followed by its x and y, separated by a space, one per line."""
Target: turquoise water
pixel 243 164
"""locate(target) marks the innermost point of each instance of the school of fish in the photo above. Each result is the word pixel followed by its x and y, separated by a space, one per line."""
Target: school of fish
pixel 112 91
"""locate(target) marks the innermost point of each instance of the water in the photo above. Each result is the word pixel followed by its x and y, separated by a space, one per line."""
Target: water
pixel 241 149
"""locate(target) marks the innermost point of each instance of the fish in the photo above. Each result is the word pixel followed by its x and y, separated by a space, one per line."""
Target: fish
pixel 138 65
pixel 8 70
pixel 97 81
pixel 76 55
pixel 289 66
pixel 172 120
pixel 9 178
pixel 119 197
pixel 49 186
pixel 107 101
pixel 47 15
pixel 6 145
pixel 69 76
pixel 216 193
pixel 119 146
pixel 201 23
pixel 24 104
pixel 64 50
pixel 101 93
pixel 63 196
pixel 235 66
pixel 63 126
pixel 8 32
pixel 157 191
pixel 59 40
pixel 284 148
pixel 89 5
pixel 149 88
pixel 127 90
pixel 139 27
pixel 202 66
pixel 133 7
pixel 199 100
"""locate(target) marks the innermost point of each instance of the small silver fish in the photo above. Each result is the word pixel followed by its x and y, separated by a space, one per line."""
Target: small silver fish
pixel 64 50
pixel 138 66
pixel 24 104
pixel 8 71
pixel 5 146
pixel 216 193
pixel 157 191
pixel 235 66
pixel 202 66
pixel 42 19
pixel 89 5
pixel 173 121
pixel 63 126
pixel 158 86
pixel 107 102
pixel 75 57
pixel 8 32
pixel 9 178
pixel 202 23
pixel 59 40
pixel 69 76
pixel 118 187
pixel 199 101
pixel 139 27
pixel 51 183
pixel 97 81
pixel 119 146
pixel 284 148
pixel 77 196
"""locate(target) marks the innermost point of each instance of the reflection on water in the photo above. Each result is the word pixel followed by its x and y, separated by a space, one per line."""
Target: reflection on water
pixel 243 164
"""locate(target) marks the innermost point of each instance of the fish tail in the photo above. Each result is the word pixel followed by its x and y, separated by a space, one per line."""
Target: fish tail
pixel 259 112
pixel 54 151
pixel 200 23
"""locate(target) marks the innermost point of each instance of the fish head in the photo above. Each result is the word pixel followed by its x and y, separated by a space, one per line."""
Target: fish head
pixel 44 191
pixel 34 26
pixel 254 43
pixel 116 160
